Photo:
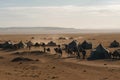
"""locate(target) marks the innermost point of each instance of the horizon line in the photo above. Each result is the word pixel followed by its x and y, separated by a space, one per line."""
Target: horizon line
pixel 59 27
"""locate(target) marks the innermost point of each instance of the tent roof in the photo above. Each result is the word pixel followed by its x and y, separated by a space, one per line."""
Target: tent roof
pixel 100 47
pixel 74 42
pixel 21 43
pixel 115 41
pixel 51 42
pixel 85 42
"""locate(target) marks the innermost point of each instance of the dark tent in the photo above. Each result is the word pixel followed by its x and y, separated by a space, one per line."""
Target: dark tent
pixel 29 43
pixel 51 43
pixel 80 47
pixel 99 53
pixel 0 45
pixel 72 45
pixel 21 44
pixel 7 45
pixel 114 44
pixel 86 45
pixel 36 44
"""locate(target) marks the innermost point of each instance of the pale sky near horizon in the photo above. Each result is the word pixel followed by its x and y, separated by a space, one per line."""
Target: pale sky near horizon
pixel 82 14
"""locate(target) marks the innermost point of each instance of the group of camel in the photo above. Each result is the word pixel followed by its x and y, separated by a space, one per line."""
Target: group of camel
pixel 72 48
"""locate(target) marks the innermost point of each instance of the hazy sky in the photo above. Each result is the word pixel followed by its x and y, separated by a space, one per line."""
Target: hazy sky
pixel 92 14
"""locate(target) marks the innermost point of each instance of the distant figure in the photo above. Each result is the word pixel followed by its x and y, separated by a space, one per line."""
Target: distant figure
pixel 70 52
pixel 60 51
pixel 44 50
pixel 78 55
pixel 29 45
pixel 77 52
pixel 84 54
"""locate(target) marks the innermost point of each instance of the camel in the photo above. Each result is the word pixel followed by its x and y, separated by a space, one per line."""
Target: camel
pixel 84 54
pixel 116 54
pixel 73 48
pixel 58 51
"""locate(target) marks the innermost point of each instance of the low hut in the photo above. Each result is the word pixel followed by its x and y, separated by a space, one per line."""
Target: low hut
pixel 99 53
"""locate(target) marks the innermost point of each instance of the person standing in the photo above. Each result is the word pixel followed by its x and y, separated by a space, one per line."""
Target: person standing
pixel 84 54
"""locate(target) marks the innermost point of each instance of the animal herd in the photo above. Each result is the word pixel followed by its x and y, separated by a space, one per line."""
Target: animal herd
pixel 72 48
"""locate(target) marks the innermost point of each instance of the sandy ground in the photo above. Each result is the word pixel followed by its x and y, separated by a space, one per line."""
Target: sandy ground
pixel 51 67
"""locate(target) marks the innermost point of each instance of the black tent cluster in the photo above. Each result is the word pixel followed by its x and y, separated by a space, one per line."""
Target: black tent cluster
pixel 99 52
pixel 11 45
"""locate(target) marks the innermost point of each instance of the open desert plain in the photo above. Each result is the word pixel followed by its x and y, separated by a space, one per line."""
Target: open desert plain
pixel 50 66
pixel 59 39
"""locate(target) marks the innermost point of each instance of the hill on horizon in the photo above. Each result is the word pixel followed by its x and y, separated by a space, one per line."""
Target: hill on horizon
pixel 51 30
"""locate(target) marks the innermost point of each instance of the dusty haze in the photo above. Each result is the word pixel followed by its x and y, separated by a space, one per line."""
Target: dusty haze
pixel 52 30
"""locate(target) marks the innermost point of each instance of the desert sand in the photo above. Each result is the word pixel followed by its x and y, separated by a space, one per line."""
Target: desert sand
pixel 49 66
